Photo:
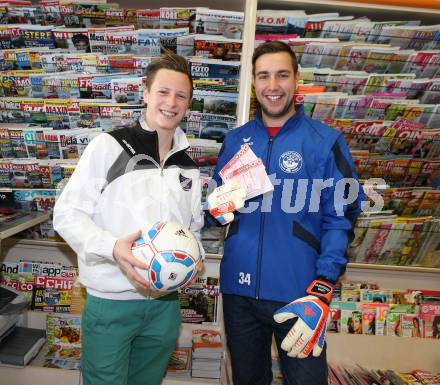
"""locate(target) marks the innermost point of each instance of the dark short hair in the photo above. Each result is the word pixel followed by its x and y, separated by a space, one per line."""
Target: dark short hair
pixel 274 47
pixel 169 61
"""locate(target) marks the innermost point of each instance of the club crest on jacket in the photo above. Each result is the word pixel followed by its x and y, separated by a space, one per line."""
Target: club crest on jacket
pixel 185 182
pixel 290 161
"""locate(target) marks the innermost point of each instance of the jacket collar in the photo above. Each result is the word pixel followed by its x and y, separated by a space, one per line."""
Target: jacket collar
pixel 180 141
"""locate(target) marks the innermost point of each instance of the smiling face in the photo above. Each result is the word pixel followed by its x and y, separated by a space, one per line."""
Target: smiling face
pixel 167 99
pixel 275 83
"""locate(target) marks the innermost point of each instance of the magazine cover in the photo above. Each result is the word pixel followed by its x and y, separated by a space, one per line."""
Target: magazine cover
pixel 50 10
pixel 16 137
pixel 52 294
pixel 368 318
pixel 22 282
pixel 273 21
pixel 180 362
pixel 393 318
pixel 217 47
pixel 37 36
pixel 63 337
pixel 430 314
pixel 57 113
pixel 208 340
pixel 97 40
pixel 351 317
pixel 73 39
pixel 199 303
pixel 224 76
pixel 101 87
pixel 381 314
pixel 25 173
pixel 90 116
pixel 147 43
pixel 219 22
pixel 334 322
pixel 410 325
pixel 148 18
pixel 177 40
pixel 208 126
pixel 175 17
pixel 121 42
pixel 10 37
pixel 11 110
pixel 34 112
pixel 91 15
pixel 214 102
pixel 114 17
pixel 127 90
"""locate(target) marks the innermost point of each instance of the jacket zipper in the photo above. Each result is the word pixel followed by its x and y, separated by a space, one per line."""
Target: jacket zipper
pixel 262 217
pixel 162 166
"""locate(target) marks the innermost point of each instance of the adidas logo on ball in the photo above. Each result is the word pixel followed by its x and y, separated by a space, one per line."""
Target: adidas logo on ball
pixel 181 233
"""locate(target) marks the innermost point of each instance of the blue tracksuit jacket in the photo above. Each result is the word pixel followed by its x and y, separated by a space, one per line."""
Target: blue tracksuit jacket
pixel 276 246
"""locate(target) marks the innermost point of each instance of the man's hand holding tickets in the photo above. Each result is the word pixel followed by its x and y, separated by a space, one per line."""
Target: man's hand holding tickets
pixel 226 199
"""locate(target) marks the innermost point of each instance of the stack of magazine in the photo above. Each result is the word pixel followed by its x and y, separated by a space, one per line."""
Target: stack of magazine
pixel 207 354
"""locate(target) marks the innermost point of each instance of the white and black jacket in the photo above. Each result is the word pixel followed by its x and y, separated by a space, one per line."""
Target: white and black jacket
pixel 118 187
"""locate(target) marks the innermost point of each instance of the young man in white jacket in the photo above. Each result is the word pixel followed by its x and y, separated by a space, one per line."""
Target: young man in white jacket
pixel 124 181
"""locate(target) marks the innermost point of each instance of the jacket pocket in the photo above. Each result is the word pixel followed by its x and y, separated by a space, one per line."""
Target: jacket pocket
pixel 306 236
pixel 233 229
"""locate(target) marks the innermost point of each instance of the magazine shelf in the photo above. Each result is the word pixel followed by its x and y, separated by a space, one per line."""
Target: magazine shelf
pixel 369 351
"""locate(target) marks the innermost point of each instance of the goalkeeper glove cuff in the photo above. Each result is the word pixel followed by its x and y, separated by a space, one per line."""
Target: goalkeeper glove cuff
pixel 321 288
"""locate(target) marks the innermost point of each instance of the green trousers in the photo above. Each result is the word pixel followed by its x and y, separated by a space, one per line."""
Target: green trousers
pixel 128 342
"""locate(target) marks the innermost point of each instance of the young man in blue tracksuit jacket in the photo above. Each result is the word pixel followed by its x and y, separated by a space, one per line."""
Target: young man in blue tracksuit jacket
pixel 287 246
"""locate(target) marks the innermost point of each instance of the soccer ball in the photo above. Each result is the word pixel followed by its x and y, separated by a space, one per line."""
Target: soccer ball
pixel 171 252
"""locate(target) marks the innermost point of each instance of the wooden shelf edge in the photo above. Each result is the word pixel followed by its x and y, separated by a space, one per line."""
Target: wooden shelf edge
pixel 413 269
pixel 21 224
pixel 34 242
pixel 37 242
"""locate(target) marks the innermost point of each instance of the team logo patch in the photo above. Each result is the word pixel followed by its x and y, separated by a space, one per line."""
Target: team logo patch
pixel 291 161
pixel 186 183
